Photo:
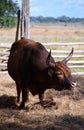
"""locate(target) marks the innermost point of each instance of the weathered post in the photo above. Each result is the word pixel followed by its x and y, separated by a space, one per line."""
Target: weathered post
pixel 18 24
pixel 25 20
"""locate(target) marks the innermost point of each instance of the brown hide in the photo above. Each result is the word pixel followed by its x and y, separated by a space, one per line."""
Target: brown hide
pixel 28 67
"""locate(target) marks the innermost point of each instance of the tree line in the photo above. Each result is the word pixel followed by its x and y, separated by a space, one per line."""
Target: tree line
pixel 64 19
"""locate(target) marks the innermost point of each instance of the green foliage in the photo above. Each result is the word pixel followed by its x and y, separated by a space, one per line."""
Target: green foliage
pixel 8 11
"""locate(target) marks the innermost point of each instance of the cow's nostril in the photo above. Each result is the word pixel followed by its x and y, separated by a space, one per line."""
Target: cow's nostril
pixel 73 84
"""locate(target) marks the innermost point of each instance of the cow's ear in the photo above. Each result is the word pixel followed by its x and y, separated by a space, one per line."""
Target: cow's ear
pixel 50 72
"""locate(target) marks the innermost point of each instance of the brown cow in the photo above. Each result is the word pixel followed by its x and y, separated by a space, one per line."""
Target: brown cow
pixel 35 70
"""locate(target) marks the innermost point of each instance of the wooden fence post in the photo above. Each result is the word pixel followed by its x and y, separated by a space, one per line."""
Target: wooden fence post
pixel 25 20
pixel 18 24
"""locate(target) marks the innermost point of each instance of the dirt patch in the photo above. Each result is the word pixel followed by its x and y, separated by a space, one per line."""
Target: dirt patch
pixel 59 111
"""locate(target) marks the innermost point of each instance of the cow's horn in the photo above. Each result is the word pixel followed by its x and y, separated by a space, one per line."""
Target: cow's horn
pixel 50 64
pixel 68 57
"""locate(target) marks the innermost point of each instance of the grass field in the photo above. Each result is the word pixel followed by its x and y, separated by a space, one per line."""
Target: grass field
pixel 57 33
pixel 59 111
pixel 48 33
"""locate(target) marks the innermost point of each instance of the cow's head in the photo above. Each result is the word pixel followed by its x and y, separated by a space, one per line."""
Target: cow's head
pixel 60 72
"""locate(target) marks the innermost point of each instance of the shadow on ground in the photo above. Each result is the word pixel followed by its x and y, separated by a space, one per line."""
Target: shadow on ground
pixel 7 102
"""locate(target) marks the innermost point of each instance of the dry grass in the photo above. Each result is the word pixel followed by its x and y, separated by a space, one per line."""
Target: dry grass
pixel 7 35
pixel 57 33
pixel 48 33
pixel 59 111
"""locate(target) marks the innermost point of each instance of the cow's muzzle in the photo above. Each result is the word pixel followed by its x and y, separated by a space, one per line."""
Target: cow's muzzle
pixel 73 84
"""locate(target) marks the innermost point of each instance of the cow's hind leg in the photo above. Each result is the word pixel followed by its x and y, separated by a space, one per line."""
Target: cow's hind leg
pixel 18 88
pixel 25 97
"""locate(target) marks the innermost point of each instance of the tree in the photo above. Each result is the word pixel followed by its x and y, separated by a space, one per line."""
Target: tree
pixel 8 11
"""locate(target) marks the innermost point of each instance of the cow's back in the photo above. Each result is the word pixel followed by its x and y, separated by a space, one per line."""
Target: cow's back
pixel 26 58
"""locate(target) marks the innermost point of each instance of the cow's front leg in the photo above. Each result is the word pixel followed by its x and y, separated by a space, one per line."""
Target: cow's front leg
pixel 41 96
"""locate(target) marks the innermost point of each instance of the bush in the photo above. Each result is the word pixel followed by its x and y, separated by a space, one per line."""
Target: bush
pixel 8 21
pixel 8 12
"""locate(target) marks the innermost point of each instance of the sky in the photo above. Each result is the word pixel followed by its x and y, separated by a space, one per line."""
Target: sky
pixel 56 8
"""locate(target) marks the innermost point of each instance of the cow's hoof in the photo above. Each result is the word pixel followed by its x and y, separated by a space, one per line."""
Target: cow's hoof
pixel 22 106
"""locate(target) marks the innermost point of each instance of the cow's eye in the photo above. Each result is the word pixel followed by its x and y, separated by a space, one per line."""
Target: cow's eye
pixel 59 73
